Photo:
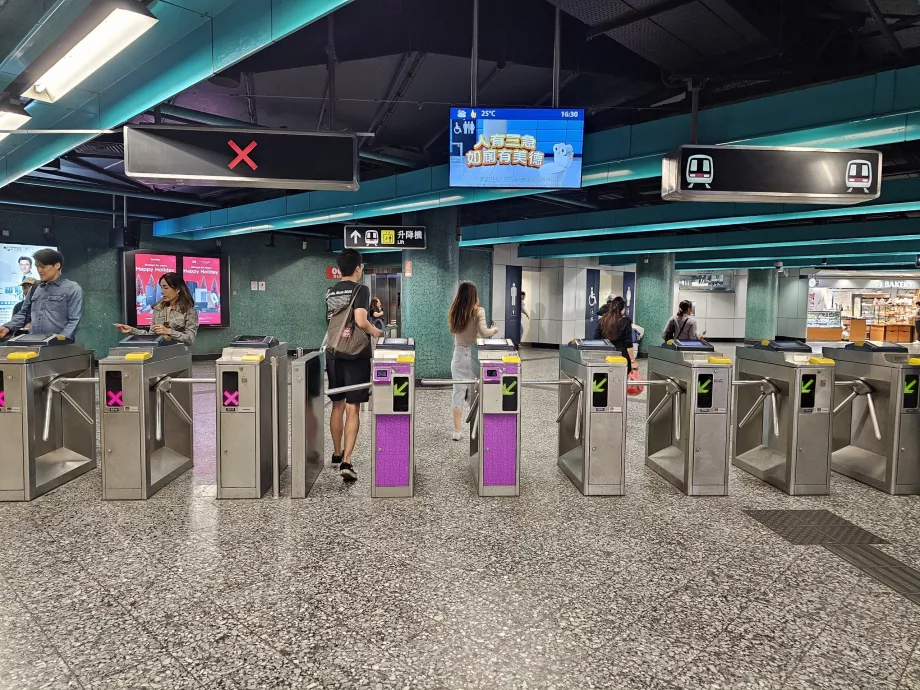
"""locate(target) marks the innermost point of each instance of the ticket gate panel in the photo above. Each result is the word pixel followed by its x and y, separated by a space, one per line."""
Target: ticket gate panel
pixel 393 425
pixel 123 439
pixel 909 451
pixel 500 451
pixel 307 427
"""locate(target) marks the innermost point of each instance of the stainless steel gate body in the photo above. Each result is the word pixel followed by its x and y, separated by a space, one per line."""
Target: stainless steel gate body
pixel 308 374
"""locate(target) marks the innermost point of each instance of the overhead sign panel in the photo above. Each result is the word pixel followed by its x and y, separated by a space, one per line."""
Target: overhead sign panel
pixel 516 148
pixel 385 236
pixel 765 174
pixel 222 157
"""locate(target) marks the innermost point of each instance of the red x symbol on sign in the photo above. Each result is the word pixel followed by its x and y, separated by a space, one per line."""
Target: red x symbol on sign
pixel 243 155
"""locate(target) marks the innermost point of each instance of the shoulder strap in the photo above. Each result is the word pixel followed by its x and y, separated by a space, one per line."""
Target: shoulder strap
pixel 681 329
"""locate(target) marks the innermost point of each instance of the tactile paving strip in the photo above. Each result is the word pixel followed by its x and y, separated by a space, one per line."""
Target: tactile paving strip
pixel 845 540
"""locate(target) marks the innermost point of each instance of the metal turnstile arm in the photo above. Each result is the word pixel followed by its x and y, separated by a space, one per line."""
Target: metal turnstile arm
pixel 180 380
pixel 449 382
pixel 860 387
pixel 75 405
pixel 761 399
pixel 46 429
pixel 846 401
pixel 346 389
pixel 678 410
pixel 775 402
pixel 181 410
pixel 871 404
pixel 767 390
pixel 276 463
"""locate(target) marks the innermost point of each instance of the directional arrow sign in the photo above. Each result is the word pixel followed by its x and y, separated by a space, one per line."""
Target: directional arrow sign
pixel 400 391
pixel 910 386
pixel 599 386
pixel 356 236
pixel 508 389
pixel 703 386
pixel 806 386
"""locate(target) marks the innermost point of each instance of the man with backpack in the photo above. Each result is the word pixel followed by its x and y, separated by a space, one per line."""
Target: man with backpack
pixel 348 356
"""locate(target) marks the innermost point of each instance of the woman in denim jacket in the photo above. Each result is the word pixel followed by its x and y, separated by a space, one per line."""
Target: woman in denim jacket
pixel 174 315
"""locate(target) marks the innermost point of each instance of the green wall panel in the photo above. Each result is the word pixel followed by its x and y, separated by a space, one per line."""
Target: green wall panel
pixel 762 303
pixel 654 296
pixel 477 267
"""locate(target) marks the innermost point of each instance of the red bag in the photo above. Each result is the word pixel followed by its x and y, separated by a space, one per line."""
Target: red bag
pixel 633 375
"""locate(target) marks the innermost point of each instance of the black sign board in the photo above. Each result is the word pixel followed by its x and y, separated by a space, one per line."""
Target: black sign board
pixel 385 236
pixel 221 157
pixel 765 174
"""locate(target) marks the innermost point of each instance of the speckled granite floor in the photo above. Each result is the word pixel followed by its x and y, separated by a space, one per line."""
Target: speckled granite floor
pixel 548 590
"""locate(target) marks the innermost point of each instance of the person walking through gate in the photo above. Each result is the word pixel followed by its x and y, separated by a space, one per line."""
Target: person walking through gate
pixel 54 306
pixel 174 316
pixel 682 326
pixel 616 327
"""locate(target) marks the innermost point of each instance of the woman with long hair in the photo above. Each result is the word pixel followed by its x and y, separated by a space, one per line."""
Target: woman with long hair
pixel 174 315
pixel 683 325
pixel 467 320
pixel 376 313
pixel 616 327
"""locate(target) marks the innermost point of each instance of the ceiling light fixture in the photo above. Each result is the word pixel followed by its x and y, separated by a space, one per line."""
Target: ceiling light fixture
pixel 12 116
pixel 105 29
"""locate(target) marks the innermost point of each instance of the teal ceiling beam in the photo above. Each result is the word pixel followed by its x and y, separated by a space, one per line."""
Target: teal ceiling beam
pixel 869 111
pixel 192 41
pixel 886 261
pixel 897 230
pixel 898 196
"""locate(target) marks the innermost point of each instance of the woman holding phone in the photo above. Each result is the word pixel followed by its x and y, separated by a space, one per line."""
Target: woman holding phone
pixel 467 320
pixel 174 315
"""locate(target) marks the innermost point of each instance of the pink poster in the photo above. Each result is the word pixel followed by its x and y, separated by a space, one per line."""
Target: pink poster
pixel 202 275
pixel 148 269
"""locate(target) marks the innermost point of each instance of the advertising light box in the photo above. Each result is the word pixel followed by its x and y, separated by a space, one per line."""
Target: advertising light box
pixel 16 264
pixel 516 148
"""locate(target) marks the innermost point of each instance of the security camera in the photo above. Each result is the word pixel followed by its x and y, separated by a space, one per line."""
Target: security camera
pixel 778 265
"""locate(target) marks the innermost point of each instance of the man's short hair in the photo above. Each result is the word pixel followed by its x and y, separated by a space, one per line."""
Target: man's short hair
pixel 348 262
pixel 48 257
pixel 25 258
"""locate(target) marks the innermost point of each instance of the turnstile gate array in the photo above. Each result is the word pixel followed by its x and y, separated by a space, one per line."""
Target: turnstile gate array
pixel 687 429
pixel 785 394
pixel 252 416
pixel 876 431
pixel 147 430
pixel 47 425
pixel 393 425
pixel 592 417
pixel 308 431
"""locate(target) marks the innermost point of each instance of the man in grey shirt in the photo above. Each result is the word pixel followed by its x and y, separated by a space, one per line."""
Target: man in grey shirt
pixel 54 306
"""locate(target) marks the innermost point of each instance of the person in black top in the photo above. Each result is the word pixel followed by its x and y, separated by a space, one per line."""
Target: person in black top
pixel 351 371
pixel 616 327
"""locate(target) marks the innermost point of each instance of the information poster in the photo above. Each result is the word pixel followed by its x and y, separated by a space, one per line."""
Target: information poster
pixel 592 297
pixel 629 291
pixel 148 269
pixel 202 275
pixel 513 328
pixel 16 264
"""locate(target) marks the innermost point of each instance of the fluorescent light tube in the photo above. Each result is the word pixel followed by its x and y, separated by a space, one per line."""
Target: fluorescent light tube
pixel 112 35
pixel 12 117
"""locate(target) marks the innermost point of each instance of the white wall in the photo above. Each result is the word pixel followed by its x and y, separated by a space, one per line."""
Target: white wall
pixel 792 311
pixel 718 314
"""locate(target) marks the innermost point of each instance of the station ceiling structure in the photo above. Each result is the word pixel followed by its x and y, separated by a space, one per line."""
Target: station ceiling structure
pixel 832 73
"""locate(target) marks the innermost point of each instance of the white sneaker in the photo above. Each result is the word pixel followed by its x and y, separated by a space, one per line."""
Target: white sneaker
pixel 457 436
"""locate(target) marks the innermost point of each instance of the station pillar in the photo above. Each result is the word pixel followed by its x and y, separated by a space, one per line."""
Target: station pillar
pixel 762 304
pixel 429 283
pixel 654 296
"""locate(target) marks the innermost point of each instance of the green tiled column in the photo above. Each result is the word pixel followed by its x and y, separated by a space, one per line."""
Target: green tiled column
pixel 429 291
pixel 476 265
pixel 654 296
pixel 762 303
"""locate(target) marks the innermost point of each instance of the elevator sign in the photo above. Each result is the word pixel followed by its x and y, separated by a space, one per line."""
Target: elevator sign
pixel 394 237
pixel 223 157
pixel 771 174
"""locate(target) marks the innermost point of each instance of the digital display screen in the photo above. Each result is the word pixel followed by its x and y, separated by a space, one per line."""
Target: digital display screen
pixel 494 341
pixel 202 275
pixel 807 391
pixel 207 278
pixel 148 269
pixel 691 343
pixel 509 393
pixel 114 395
pixel 704 391
pixel 395 341
pixel 16 264
pixel 146 339
pixel 249 339
pixel 381 373
pixel 791 345
pixel 599 387
pixel 230 389
pixel 400 394
pixel 516 148
pixel 911 391
pixel 595 343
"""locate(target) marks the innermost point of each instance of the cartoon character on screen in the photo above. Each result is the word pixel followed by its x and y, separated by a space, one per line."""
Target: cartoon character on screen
pixel 553 173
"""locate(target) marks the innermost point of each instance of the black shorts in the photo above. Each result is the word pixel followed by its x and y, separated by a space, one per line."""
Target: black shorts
pixel 349 372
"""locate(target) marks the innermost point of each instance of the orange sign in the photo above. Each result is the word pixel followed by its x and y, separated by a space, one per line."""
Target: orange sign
pixel 407 272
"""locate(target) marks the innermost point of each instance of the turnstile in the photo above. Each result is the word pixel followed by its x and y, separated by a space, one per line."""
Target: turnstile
pixel 307 421
pixel 689 401
pixel 592 417
pixel 252 416
pixel 146 443
pixel 47 425
pixel 785 394
pixel 495 420
pixel 876 431
pixel 393 425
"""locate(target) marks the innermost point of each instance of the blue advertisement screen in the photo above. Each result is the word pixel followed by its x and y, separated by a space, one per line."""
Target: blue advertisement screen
pixel 516 148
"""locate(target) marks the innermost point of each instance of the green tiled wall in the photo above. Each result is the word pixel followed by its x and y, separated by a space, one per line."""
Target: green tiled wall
pixel 427 294
pixel 292 307
pixel 477 267
pixel 654 296
pixel 762 303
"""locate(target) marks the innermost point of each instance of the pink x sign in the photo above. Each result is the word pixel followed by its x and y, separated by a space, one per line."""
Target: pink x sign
pixel 231 399
pixel 2 399
pixel 243 155
pixel 114 399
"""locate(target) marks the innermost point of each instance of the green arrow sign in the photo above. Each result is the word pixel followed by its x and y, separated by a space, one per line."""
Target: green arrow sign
pixel 806 386
pixel 600 385
pixel 909 386
pixel 401 391
pixel 703 386
pixel 508 389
